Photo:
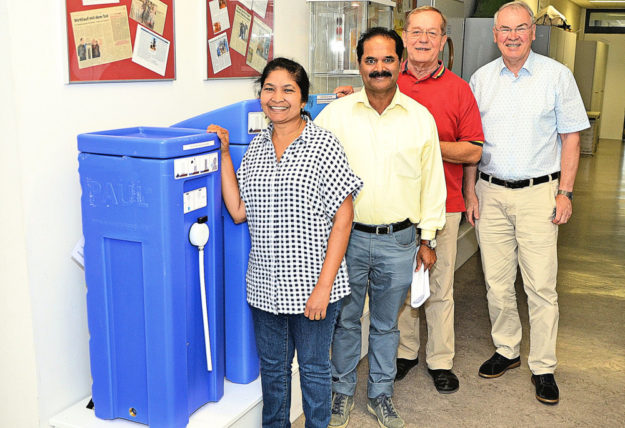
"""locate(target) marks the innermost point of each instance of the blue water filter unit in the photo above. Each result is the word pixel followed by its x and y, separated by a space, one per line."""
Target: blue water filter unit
pixel 142 190
pixel 243 120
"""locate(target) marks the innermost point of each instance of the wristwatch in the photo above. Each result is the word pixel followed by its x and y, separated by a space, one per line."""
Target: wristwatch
pixel 565 193
pixel 431 244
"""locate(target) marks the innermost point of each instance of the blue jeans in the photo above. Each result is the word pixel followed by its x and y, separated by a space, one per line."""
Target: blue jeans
pixel 380 265
pixel 277 339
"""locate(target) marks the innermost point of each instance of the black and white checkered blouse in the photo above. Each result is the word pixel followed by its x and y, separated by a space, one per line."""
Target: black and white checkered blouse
pixel 290 206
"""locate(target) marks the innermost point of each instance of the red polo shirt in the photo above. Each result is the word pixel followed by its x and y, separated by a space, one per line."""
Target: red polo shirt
pixel 450 100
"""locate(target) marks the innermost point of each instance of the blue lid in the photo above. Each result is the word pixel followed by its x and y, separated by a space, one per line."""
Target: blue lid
pixel 243 120
pixel 148 142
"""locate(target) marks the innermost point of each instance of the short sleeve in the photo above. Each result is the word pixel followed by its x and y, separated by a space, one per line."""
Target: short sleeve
pixel 470 121
pixel 571 114
pixel 338 180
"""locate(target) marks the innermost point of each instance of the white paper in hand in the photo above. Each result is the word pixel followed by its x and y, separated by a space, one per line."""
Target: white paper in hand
pixel 420 287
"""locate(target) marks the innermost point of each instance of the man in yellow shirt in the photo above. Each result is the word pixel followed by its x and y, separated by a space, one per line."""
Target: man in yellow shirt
pixel 392 143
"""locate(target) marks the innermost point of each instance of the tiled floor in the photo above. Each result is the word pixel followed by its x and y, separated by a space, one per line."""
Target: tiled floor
pixel 591 342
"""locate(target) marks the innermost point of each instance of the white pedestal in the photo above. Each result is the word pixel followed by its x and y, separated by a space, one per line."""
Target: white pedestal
pixel 241 405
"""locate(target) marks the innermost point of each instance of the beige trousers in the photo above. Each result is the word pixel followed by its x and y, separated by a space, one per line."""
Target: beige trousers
pixel 515 229
pixel 439 308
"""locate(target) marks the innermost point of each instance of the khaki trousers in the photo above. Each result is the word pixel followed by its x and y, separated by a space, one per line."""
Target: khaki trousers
pixel 439 308
pixel 515 228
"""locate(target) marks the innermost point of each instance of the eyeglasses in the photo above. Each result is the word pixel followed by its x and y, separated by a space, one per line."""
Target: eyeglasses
pixel 416 34
pixel 521 30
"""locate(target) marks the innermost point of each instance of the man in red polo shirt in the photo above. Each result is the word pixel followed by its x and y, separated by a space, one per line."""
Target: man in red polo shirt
pixel 450 100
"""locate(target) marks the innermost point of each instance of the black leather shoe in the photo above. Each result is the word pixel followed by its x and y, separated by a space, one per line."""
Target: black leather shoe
pixel 497 365
pixel 445 381
pixel 403 367
pixel 546 389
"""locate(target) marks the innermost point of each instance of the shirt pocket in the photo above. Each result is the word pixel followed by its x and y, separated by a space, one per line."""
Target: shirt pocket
pixel 405 162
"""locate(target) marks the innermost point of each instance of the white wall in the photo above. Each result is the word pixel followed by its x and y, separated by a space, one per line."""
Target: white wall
pixel 45 366
pixel 18 371
pixel 613 109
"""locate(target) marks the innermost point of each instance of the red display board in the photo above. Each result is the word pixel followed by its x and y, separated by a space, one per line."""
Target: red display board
pixel 118 40
pixel 240 37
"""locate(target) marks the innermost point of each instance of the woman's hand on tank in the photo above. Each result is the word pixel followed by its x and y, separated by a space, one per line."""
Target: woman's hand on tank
pixel 222 133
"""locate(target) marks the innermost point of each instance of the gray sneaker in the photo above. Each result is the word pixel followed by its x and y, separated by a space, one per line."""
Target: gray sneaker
pixel 341 406
pixel 382 407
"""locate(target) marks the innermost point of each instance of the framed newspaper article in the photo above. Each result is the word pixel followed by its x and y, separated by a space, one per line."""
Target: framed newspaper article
pixel 239 37
pixel 118 40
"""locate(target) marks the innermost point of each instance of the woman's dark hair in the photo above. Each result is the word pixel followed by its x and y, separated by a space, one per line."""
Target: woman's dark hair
pixel 293 68
pixel 379 31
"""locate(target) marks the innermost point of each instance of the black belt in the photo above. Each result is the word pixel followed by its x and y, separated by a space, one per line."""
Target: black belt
pixel 383 229
pixel 519 184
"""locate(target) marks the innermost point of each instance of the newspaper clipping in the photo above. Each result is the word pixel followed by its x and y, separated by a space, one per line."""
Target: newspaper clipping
pixel 219 15
pixel 260 41
pixel 219 53
pixel 247 3
pixel 150 13
pixel 240 30
pixel 258 6
pixel 151 50
pixel 96 2
pixel 101 36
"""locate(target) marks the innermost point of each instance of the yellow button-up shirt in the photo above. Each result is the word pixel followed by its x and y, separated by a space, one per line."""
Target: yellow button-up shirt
pixel 398 157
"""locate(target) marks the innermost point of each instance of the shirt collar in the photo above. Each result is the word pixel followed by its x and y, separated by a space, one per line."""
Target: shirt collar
pixel 529 62
pixel 528 65
pixel 440 70
pixel 305 135
pixel 265 134
pixel 396 101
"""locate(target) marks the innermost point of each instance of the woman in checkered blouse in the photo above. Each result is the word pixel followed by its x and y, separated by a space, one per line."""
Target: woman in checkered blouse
pixel 295 189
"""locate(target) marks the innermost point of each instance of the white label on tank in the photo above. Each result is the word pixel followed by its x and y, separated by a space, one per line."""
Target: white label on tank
pixel 325 98
pixel 198 145
pixel 256 122
pixel 195 199
pixel 195 165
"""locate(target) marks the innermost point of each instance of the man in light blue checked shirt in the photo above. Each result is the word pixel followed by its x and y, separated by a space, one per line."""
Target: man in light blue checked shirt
pixel 532 113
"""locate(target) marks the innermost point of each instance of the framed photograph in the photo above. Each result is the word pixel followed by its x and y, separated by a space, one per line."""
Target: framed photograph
pixel 239 37
pixel 119 40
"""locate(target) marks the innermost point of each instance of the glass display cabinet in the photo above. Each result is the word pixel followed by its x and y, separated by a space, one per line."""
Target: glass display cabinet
pixel 335 26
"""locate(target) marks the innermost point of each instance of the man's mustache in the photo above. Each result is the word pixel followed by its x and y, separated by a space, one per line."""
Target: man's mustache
pixel 375 74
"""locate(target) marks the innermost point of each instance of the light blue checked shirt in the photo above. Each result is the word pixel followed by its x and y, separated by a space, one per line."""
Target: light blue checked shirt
pixel 523 116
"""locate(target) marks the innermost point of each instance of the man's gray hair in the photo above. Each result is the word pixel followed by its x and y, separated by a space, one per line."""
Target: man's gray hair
pixel 430 9
pixel 517 4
